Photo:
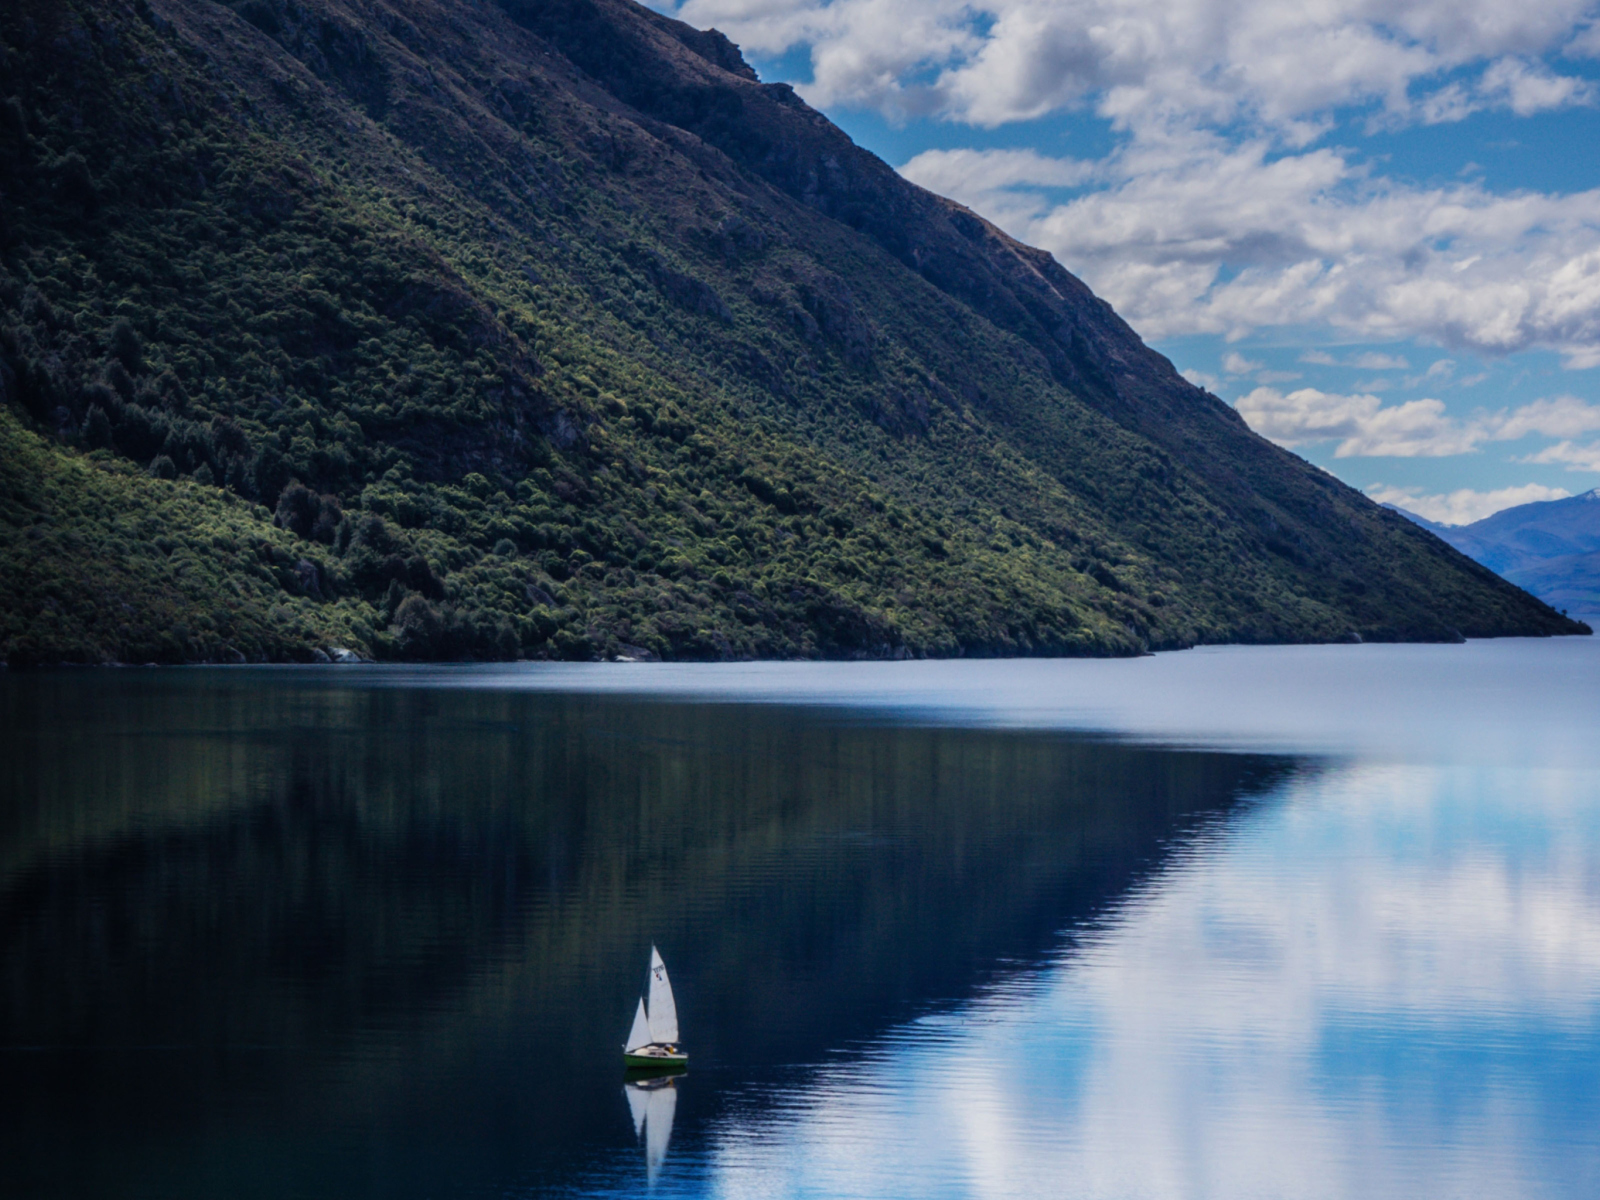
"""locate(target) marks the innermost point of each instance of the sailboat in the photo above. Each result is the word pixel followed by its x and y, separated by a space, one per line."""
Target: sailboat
pixel 653 1040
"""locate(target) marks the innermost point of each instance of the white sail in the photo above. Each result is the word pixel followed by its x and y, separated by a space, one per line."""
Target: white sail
pixel 663 1009
pixel 639 1035
pixel 663 1105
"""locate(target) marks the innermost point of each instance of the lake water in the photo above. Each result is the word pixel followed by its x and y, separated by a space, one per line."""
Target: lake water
pixel 1274 922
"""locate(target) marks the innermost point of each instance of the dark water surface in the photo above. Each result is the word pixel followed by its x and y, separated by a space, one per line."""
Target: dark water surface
pixel 1308 922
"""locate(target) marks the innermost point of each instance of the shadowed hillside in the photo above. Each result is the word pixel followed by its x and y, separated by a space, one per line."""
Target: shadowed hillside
pixel 546 329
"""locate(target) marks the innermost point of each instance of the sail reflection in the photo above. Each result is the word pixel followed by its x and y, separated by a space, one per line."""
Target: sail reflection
pixel 653 1102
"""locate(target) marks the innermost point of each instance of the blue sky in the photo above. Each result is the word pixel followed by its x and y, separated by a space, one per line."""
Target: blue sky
pixel 1373 227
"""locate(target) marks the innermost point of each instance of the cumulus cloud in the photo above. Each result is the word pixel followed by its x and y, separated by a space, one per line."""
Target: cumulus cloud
pixel 1215 215
pixel 1570 455
pixel 1530 87
pixel 1235 363
pixel 949 170
pixel 1558 417
pixel 1191 233
pixel 1463 506
pixel 1141 62
pixel 1365 427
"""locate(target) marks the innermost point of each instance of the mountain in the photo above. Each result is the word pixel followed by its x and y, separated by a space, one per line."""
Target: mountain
pixel 493 329
pixel 1549 547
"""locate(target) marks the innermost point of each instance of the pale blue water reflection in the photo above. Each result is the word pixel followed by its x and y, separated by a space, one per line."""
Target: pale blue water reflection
pixel 1383 982
pixel 1506 700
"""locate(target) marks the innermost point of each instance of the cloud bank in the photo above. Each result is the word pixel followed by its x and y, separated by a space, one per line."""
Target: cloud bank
pixel 1464 505
pixel 1365 427
pixel 1193 233
pixel 1217 212
pixel 1149 62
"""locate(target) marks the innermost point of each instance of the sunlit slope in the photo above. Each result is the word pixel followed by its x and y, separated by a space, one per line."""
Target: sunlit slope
pixel 555 333
pixel 96 554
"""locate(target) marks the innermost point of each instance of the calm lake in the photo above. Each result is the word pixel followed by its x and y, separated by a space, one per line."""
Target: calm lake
pixel 1267 922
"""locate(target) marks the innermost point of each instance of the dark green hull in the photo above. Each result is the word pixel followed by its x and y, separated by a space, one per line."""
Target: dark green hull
pixel 676 1061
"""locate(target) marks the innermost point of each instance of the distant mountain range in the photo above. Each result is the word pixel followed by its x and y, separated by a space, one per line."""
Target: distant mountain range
pixel 1551 548
pixel 488 329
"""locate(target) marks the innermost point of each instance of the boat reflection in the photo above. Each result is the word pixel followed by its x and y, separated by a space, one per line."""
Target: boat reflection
pixel 653 1100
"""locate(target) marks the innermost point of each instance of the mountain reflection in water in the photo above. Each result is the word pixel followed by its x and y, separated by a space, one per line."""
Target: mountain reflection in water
pixel 336 933
pixel 262 935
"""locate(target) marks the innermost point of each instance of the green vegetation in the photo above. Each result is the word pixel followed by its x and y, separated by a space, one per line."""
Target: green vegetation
pixel 97 554
pixel 318 329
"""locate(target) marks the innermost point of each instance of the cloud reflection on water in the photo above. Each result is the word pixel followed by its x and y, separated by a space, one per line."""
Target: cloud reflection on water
pixel 1385 982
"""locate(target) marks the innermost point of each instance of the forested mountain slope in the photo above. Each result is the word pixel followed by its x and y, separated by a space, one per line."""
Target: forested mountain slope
pixel 472 329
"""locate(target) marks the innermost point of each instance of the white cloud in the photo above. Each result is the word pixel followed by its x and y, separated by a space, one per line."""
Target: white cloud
pixel 1529 87
pixel 1364 426
pixel 1213 216
pixel 945 171
pixel 1441 371
pixel 1570 455
pixel 1463 506
pixel 1372 361
pixel 1415 429
pixel 1189 233
pixel 1235 363
pixel 1557 417
pixel 1144 62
